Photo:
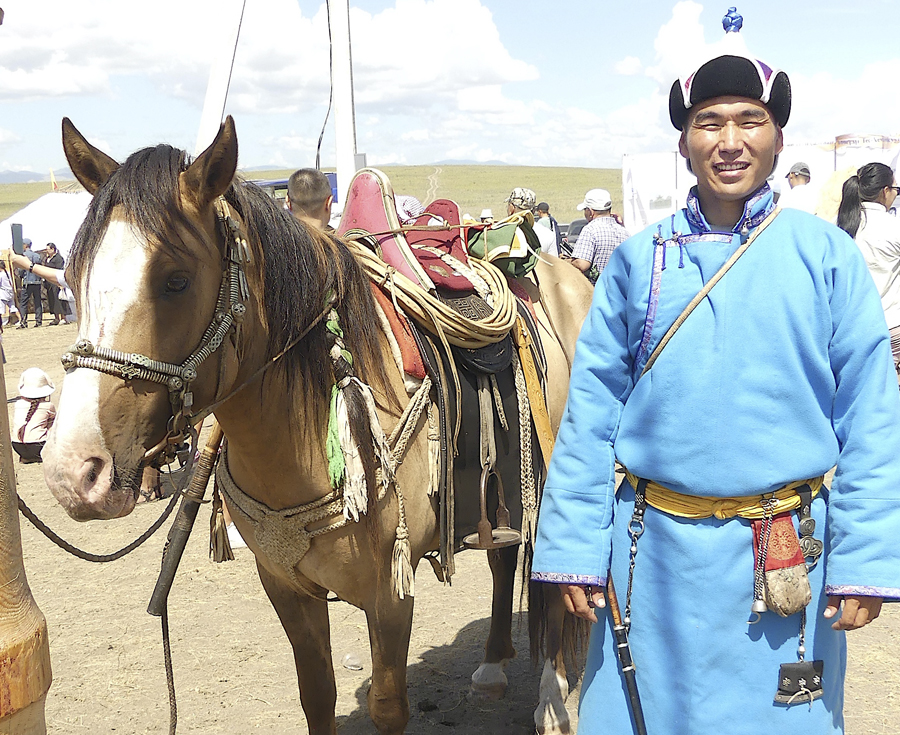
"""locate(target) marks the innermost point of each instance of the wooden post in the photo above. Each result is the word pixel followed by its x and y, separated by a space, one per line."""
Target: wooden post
pixel 24 649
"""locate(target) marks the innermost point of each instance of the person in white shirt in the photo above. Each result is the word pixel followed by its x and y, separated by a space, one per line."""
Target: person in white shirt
pixel 863 214
pixel 800 195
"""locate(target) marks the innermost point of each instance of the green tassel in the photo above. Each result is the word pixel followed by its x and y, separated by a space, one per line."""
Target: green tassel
pixel 333 451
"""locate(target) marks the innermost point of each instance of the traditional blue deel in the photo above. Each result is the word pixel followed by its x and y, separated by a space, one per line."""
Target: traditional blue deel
pixel 781 373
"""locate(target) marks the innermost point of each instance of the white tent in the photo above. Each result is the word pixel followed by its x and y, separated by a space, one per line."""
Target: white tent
pixel 55 218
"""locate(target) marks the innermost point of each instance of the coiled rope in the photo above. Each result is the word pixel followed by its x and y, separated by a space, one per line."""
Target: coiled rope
pixel 433 314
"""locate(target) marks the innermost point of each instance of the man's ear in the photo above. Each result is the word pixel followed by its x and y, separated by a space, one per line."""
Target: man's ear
pixel 682 145
pixel 779 140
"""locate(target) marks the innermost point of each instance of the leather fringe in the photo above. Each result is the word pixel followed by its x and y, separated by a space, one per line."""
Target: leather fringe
pixel 219 545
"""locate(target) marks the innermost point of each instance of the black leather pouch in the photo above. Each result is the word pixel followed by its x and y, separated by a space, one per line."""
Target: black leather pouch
pixel 799 682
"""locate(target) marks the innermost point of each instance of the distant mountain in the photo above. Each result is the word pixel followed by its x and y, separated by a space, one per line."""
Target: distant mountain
pixel 27 177
pixel 455 162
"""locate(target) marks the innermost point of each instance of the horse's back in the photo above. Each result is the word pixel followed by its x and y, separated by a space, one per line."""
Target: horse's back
pixel 562 297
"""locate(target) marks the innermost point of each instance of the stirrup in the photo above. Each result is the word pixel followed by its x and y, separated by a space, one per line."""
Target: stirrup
pixel 493 538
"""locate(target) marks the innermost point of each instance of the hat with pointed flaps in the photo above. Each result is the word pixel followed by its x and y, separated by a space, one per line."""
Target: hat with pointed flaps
pixel 732 71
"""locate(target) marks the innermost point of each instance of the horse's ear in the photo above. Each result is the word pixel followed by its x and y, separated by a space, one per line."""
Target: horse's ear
pixel 91 166
pixel 211 174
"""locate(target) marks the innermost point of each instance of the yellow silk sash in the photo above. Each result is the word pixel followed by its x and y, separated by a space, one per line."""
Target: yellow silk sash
pixel 749 507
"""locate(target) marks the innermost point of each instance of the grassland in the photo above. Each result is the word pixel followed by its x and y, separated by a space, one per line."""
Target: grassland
pixel 15 196
pixel 473 187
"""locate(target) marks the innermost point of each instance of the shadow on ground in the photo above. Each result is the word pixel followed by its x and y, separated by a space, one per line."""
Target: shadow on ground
pixel 438 685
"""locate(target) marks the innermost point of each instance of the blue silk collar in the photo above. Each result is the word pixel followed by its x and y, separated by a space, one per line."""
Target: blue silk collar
pixel 756 209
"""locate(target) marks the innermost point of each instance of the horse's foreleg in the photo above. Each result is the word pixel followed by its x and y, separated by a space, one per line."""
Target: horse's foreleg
pixel 489 681
pixel 551 716
pixel 305 620
pixel 390 625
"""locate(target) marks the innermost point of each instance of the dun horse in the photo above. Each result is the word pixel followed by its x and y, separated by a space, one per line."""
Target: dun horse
pixel 147 269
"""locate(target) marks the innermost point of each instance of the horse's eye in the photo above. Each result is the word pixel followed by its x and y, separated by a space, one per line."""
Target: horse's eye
pixel 177 284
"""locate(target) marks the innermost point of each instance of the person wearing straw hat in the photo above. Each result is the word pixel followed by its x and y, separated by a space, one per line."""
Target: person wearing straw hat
pixel 733 355
pixel 34 414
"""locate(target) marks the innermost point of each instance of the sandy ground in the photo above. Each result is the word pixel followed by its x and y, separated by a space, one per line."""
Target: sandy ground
pixel 234 670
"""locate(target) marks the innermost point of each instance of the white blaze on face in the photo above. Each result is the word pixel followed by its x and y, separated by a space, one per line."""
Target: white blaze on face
pixel 118 269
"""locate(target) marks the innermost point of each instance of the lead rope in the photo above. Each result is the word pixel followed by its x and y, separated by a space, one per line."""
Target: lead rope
pixel 86 555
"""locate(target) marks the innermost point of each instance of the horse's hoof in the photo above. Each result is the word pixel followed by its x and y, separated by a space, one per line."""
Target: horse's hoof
pixel 489 682
pixel 552 722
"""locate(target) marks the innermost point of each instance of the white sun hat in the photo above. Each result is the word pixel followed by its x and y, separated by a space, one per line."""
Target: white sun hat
pixel 35 383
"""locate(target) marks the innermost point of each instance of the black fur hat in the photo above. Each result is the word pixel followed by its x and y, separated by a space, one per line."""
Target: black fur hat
pixel 732 73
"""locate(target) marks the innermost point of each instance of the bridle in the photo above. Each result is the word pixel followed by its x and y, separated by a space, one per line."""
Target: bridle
pixel 229 314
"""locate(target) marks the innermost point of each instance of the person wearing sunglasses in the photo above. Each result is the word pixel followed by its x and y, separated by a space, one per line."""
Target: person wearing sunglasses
pixel 864 214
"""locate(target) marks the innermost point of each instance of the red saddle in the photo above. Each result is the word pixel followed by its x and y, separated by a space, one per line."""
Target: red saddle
pixel 371 210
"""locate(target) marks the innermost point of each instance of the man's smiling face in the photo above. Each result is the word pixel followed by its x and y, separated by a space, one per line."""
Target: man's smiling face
pixel 731 143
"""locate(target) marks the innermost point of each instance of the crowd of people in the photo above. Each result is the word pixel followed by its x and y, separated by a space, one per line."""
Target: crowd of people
pixel 40 275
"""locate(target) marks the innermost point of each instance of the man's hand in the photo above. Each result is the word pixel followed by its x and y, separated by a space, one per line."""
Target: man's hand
pixel 858 611
pixel 581 599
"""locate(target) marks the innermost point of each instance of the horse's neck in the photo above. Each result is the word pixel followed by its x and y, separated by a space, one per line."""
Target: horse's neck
pixel 273 450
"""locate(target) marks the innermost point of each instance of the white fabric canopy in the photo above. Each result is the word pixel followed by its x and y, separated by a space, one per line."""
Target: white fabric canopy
pixel 55 218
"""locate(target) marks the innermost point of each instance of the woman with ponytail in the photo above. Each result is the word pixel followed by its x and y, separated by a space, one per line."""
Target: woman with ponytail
pixel 34 414
pixel 864 215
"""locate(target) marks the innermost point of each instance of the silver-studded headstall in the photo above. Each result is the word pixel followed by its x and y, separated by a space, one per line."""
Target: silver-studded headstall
pixel 230 310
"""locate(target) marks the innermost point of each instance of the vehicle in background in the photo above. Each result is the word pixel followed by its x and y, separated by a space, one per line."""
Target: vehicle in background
pixel 570 233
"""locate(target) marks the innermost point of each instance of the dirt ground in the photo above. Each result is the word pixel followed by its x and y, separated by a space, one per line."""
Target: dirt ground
pixel 234 670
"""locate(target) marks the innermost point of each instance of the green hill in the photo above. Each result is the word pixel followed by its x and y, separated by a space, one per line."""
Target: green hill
pixel 473 187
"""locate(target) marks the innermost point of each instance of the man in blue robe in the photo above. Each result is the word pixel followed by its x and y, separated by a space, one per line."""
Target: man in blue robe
pixel 782 372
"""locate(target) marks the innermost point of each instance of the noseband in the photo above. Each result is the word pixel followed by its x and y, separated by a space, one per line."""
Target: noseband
pixel 230 311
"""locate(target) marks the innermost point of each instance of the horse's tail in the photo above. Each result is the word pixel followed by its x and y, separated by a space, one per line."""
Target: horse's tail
pixel 551 629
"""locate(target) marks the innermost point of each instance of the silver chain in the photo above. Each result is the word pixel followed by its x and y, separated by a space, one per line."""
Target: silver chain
pixel 635 530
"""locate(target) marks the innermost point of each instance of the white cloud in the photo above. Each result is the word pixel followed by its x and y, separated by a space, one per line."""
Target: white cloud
pixel 281 63
pixel 8 136
pixel 434 80
pixel 824 106
pixel 680 44
pixel 629 66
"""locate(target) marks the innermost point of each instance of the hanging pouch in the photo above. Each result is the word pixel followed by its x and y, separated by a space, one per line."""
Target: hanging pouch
pixel 787 589
pixel 800 681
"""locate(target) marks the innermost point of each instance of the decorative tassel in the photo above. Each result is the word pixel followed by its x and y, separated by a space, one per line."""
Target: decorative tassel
pixel 219 545
pixel 434 450
pixel 403 579
pixel 379 440
pixel 356 496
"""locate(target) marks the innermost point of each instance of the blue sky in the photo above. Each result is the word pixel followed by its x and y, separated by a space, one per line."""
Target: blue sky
pixel 574 83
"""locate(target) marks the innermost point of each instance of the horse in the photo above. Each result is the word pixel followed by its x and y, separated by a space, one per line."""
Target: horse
pixel 156 268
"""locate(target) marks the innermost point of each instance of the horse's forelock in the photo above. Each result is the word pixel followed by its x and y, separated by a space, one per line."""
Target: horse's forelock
pixel 144 191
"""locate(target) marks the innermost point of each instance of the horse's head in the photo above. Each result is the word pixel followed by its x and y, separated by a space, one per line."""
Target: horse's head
pixel 146 268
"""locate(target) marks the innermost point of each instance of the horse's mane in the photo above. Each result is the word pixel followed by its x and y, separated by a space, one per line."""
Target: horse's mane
pixel 299 267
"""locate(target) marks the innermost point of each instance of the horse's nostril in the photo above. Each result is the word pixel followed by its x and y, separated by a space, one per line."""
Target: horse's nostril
pixel 94 471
